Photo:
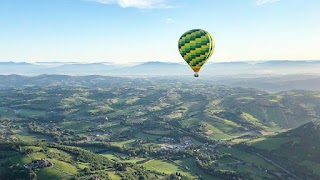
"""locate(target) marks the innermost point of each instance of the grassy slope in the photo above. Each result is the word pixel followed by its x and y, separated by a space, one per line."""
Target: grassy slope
pixel 298 146
pixel 52 174
pixel 190 164
pixel 166 167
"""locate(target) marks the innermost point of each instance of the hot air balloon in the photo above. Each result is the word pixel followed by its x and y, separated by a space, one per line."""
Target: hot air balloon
pixel 196 46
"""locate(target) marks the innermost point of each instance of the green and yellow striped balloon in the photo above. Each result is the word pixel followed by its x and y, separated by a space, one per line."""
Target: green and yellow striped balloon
pixel 196 46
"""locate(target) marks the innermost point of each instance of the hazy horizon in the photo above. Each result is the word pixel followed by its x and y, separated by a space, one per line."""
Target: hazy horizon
pixel 155 61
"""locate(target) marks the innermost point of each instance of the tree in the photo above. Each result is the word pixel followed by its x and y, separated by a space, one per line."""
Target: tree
pixel 216 164
pixel 32 175
pixel 86 170
pixel 29 151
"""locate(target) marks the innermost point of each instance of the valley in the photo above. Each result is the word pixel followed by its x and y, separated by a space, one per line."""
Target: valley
pixel 155 128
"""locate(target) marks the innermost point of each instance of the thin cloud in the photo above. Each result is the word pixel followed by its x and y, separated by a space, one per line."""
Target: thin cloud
pixel 170 21
pixel 140 4
pixel 263 2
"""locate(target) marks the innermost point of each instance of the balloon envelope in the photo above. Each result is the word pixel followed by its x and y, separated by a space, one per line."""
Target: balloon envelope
pixel 196 46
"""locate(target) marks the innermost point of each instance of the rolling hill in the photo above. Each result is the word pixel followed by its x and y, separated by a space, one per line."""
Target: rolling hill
pixel 296 150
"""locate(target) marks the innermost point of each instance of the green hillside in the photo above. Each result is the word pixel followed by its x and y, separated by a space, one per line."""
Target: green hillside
pixel 297 149
pixel 155 128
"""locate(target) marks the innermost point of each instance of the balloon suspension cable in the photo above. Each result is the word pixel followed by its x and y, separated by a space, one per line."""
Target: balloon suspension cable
pixel 196 74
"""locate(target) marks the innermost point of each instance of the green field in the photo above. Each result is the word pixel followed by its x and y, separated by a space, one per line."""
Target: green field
pixel 250 118
pixel 313 166
pixel 245 98
pixel 134 160
pixel 257 111
pixel 190 121
pixel 254 166
pixel 117 157
pixel 276 115
pixel 146 136
pixel 20 159
pixel 122 143
pixel 247 157
pixel 33 137
pixel 215 133
pixel 35 148
pixel 189 163
pixel 166 167
pixel 31 113
pixel 38 155
pixel 77 125
pixel 75 101
pixel 224 126
pixel 52 174
pixel 114 176
pixel 111 157
pixel 60 154
pixel 270 143
pixel 83 165
pixel 65 166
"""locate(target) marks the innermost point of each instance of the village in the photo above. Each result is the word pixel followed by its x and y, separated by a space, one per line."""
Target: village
pixel 38 164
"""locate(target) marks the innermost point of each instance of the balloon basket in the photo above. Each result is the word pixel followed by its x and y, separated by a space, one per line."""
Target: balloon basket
pixel 196 75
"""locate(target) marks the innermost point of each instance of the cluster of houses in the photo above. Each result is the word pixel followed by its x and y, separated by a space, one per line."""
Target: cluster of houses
pixel 38 164
pixel 5 124
pixel 166 140
pixel 6 128
pixel 184 143
pixel 176 147
pixel 95 137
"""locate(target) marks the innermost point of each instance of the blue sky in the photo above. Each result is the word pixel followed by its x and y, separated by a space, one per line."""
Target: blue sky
pixel 123 31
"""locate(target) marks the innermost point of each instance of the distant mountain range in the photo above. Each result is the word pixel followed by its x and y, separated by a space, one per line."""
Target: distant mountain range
pixel 161 68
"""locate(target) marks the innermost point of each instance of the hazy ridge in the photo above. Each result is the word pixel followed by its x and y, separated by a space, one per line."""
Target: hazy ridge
pixel 161 68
